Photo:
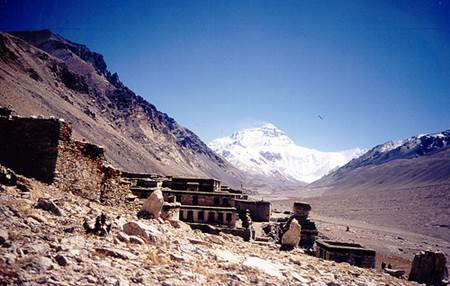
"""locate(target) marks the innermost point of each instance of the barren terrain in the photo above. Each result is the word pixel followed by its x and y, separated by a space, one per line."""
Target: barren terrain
pixel 50 246
pixel 396 223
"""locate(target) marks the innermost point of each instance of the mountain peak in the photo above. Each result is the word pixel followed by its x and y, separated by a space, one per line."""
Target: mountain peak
pixel 60 47
pixel 43 73
pixel 268 151
pixel 263 135
pixel 268 125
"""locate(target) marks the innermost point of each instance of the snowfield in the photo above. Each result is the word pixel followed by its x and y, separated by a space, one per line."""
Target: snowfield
pixel 268 151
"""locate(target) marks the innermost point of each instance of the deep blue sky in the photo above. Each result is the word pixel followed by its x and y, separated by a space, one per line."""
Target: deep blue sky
pixel 375 70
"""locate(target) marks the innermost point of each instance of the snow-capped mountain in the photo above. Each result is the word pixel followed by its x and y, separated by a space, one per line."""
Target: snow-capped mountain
pixel 403 149
pixel 418 161
pixel 268 151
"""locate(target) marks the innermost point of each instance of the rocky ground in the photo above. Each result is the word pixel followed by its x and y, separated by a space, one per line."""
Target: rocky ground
pixel 43 241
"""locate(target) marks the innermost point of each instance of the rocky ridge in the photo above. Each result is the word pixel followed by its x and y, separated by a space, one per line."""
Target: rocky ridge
pixel 41 73
pixel 415 162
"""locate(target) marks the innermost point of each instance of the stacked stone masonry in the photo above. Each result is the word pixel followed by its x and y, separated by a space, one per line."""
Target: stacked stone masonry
pixel 43 149
pixel 309 230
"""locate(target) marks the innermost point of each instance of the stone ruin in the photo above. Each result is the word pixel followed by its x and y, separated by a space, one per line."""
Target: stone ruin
pixel 352 253
pixel 43 149
pixel 308 229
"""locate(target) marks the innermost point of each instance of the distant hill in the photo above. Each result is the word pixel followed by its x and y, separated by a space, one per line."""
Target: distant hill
pixel 401 184
pixel 419 161
pixel 41 73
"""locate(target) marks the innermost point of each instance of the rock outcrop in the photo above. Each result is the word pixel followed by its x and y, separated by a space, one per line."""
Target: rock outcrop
pixel 147 232
pixel 429 267
pixel 291 237
pixel 43 73
pixel 154 203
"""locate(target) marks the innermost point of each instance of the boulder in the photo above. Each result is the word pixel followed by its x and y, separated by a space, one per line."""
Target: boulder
pixel 136 239
pixel 429 267
pixel 291 237
pixel 153 204
pixel 123 237
pixel 41 264
pixel 7 177
pixel 48 205
pixel 148 232
pixel 115 253
pixel 179 224
pixel 3 236
pixel 61 260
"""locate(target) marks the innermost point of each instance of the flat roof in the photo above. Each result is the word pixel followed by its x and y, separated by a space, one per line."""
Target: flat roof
pixel 252 201
pixel 224 194
pixel 174 179
pixel 143 175
pixel 343 246
pixel 169 190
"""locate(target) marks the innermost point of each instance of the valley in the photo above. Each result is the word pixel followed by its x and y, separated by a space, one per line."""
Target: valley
pixel 394 198
pixel 396 223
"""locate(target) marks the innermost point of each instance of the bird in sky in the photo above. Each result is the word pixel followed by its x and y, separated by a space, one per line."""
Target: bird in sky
pixel 320 116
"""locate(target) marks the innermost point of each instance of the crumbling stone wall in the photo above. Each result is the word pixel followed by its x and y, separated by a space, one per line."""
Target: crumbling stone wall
pixel 30 146
pixel 43 149
pixel 81 169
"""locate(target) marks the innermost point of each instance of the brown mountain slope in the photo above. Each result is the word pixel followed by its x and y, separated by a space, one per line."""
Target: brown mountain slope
pixel 401 184
pixel 43 74
pixel 419 161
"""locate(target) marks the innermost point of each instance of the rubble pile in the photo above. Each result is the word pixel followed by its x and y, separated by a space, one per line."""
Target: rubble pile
pixel 70 240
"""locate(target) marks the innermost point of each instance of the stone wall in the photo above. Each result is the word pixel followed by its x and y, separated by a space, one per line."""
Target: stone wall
pixel 30 146
pixel 81 169
pixel 43 149
pixel 260 211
